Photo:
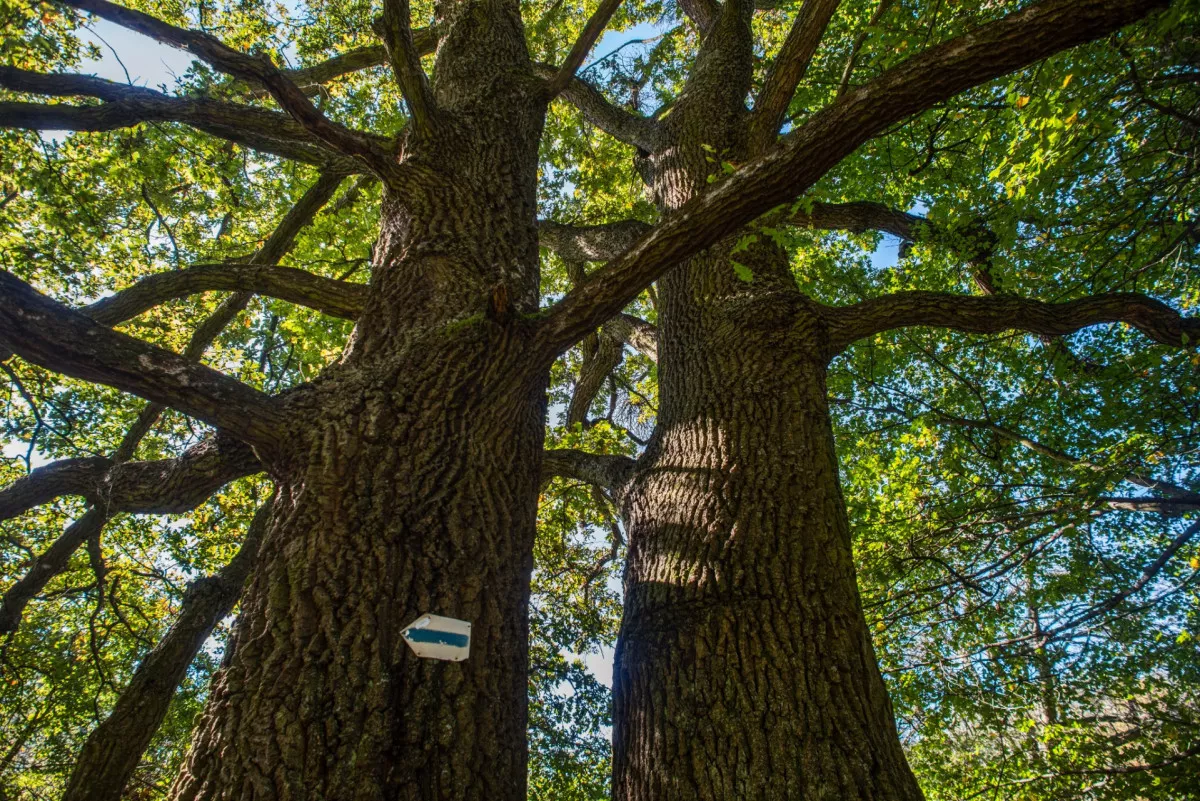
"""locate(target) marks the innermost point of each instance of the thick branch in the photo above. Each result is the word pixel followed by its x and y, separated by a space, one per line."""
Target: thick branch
pixel 1163 506
pixel 632 129
pixel 580 243
pixel 607 241
pixel 166 486
pixel 596 366
pixel 583 45
pixel 610 473
pixel 635 331
pixel 788 70
pixel 50 335
pixel 115 747
pixel 258 69
pixel 702 13
pixel 395 28
pixel 983 315
pixel 856 218
pixel 336 298
pixel 810 151
pixel 606 356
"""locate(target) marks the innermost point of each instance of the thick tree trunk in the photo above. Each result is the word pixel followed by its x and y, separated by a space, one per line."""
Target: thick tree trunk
pixel 413 488
pixel 418 494
pixel 744 668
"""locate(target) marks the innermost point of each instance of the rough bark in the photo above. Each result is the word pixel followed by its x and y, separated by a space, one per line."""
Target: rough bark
pixel 744 668
pixel 411 487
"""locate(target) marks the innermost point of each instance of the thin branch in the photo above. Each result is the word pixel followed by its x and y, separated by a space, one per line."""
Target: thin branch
pixel 114 748
pixel 1113 601
pixel 856 46
pixel 809 152
pixel 258 69
pixel 46 333
pixel 1136 478
pixel 632 129
pixel 787 70
pixel 52 562
pixel 995 313
pixel 583 45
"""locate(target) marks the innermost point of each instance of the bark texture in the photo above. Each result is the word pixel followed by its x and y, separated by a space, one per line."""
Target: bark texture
pixel 411 486
pixel 744 668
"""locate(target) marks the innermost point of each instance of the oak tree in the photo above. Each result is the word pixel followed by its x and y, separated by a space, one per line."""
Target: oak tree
pixel 316 295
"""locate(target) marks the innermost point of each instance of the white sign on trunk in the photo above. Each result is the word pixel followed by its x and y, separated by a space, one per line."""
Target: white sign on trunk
pixel 437 637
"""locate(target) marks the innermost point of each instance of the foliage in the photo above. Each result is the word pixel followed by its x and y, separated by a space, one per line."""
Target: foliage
pixel 980 558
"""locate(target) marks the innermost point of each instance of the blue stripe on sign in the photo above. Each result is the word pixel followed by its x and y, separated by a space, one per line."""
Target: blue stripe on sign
pixel 438 637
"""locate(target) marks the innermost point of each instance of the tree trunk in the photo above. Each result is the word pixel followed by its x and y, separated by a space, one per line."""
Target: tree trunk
pixel 418 494
pixel 413 487
pixel 744 668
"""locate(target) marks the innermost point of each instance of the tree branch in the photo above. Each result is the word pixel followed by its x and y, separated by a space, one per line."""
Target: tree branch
pixel 52 562
pixel 636 332
pixel 787 70
pixel 857 217
pixel 165 486
pixel 702 13
pixel 580 243
pixel 583 45
pixel 596 366
pixel 395 28
pixel 856 46
pixel 632 129
pixel 115 747
pixel 50 335
pixel 994 313
pixel 1170 507
pixel 335 298
pixel 258 69
pixel 1139 479
pixel 424 42
pixel 253 128
pixel 1113 601
pixel 809 152
pixel 610 473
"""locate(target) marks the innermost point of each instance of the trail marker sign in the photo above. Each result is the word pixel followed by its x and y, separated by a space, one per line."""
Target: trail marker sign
pixel 437 637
